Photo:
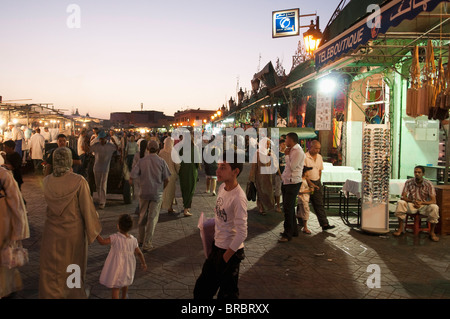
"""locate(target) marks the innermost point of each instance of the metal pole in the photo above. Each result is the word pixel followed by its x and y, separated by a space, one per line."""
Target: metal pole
pixel 308 15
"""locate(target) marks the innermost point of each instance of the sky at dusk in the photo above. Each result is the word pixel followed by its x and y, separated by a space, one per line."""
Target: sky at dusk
pixel 168 55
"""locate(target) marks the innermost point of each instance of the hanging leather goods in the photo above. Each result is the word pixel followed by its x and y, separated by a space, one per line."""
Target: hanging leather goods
pixel 429 83
pixel 447 80
pixel 412 94
pixel 440 88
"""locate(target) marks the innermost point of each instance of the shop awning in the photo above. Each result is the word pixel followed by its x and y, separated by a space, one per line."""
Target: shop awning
pixel 392 14
pixel 268 76
pixel 301 71
pixel 254 101
pixel 304 133
pixel 347 16
pixel 30 112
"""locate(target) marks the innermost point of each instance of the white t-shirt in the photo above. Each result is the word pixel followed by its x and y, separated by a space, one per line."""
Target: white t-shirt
pixel 47 136
pixel 231 218
pixel 304 188
pixel 37 144
pixel 81 141
pixel 54 132
pixel 16 134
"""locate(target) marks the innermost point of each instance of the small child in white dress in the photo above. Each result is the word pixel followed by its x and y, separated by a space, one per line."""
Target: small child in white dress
pixel 303 202
pixel 120 265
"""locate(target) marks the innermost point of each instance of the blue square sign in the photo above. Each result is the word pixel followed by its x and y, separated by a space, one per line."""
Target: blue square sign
pixel 285 23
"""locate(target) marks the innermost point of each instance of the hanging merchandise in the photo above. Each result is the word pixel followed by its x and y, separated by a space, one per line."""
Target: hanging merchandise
pixel 439 111
pixel 375 178
pixel 337 133
pixel 447 79
pixel 444 105
pixel 429 83
pixel 265 116
pixel 412 95
pixel 441 86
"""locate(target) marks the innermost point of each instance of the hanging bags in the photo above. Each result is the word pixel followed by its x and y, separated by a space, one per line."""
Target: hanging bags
pixel 428 100
pixel 412 95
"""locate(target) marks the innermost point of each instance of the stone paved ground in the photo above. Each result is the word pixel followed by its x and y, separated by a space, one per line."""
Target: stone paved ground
pixel 411 267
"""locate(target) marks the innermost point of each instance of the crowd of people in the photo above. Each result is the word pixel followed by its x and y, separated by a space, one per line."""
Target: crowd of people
pixel 154 166
pixel 72 221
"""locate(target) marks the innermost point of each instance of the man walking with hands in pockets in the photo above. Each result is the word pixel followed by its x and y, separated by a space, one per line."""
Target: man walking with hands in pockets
pixel 153 174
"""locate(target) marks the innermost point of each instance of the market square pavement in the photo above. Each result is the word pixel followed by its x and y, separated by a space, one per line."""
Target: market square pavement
pixel 323 265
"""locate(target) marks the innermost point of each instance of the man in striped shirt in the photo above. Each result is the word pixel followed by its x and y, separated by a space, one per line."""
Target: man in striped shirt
pixel 418 196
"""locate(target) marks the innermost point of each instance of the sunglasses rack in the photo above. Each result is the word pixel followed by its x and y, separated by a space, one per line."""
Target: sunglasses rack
pixel 375 177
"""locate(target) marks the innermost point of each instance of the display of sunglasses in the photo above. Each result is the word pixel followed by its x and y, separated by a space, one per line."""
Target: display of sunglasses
pixel 376 165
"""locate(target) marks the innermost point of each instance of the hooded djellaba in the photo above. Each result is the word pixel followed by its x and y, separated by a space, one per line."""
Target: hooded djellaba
pixel 72 223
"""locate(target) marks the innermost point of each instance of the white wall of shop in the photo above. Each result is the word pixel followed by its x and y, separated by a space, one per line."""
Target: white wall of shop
pixel 354 123
pixel 353 154
pixel 416 140
pixel 419 144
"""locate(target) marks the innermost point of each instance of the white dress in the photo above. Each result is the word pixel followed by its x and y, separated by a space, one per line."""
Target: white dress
pixel 120 264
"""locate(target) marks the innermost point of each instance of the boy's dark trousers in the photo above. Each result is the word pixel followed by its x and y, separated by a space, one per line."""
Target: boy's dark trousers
pixel 217 274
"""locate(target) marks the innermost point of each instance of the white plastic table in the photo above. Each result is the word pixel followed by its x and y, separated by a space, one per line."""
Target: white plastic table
pixel 336 175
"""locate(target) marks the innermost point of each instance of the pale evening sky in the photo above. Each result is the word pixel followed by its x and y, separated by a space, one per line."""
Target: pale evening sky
pixel 166 54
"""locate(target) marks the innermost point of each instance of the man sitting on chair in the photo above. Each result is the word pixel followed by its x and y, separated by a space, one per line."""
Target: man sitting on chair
pixel 418 196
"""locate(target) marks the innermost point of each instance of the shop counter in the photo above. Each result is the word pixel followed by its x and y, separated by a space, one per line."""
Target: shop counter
pixel 353 186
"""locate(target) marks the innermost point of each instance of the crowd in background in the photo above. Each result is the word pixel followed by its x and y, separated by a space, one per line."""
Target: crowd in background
pixel 153 169
pixel 91 159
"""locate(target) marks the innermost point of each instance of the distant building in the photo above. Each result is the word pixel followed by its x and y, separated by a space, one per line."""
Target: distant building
pixel 188 117
pixel 151 119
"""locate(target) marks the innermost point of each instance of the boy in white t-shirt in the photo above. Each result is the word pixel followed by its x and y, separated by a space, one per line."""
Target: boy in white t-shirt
pixel 221 270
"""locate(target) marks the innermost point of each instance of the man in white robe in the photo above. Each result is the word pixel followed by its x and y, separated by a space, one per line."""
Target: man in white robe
pixel 37 145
